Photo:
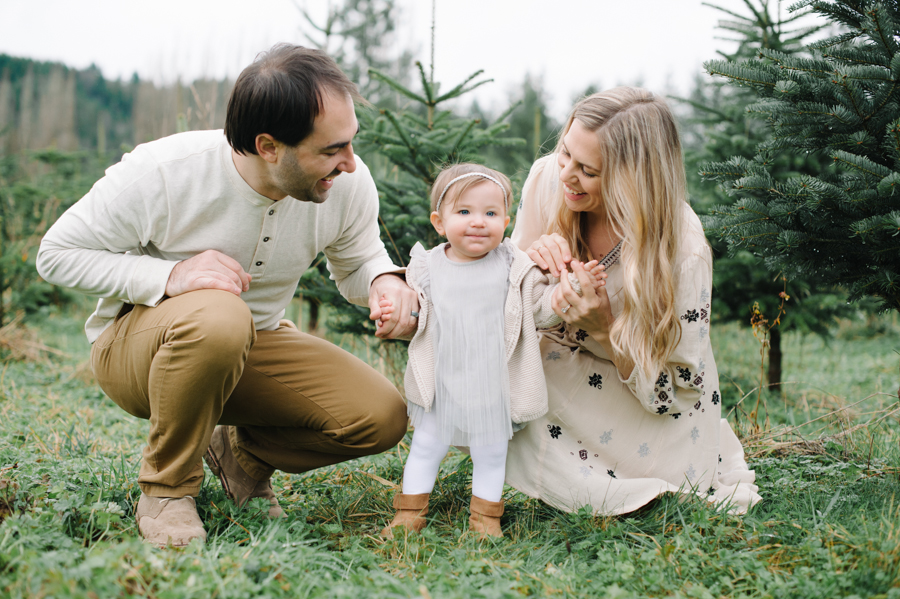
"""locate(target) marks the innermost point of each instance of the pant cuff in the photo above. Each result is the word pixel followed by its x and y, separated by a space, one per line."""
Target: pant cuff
pixel 252 465
pixel 157 490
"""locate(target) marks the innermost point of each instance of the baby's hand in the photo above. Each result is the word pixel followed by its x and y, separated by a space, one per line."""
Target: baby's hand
pixel 597 273
pixel 387 307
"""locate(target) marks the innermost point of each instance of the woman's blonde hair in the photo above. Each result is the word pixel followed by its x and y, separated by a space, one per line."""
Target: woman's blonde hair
pixel 454 191
pixel 642 187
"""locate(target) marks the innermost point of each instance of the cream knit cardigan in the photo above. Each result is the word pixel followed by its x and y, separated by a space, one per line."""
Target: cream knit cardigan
pixel 527 309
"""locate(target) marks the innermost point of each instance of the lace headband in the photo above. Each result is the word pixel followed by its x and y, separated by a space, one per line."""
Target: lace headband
pixel 466 176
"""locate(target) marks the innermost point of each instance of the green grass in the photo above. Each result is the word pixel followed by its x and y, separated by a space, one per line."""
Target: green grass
pixel 829 525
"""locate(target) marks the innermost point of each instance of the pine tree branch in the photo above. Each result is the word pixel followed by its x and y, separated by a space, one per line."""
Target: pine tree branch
pixel 426 85
pixel 458 90
pixel 373 72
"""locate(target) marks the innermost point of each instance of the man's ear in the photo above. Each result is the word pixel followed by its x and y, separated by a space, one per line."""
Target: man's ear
pixel 267 147
pixel 437 223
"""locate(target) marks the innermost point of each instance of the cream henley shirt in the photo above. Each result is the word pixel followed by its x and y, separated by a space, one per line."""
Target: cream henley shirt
pixel 173 198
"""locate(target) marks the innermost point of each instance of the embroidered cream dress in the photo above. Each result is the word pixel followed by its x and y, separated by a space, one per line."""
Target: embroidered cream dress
pixel 616 444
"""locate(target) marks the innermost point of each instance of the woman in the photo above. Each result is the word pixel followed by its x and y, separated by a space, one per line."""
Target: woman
pixel 635 404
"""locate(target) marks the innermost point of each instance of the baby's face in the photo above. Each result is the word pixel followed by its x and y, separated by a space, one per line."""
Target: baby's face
pixel 474 223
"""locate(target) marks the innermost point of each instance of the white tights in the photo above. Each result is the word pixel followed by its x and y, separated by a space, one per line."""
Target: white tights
pixel 427 451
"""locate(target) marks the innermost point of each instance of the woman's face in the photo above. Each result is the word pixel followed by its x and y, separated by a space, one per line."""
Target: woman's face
pixel 579 163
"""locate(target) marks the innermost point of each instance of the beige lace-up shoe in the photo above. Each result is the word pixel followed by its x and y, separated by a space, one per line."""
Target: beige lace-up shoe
pixel 238 485
pixel 169 521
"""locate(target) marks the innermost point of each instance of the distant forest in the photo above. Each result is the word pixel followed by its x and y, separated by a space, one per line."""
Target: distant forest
pixel 50 105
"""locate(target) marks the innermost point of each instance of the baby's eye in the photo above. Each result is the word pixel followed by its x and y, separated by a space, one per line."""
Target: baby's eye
pixel 491 213
pixel 464 211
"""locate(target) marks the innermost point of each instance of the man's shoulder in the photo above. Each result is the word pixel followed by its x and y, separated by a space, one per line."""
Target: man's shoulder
pixel 181 146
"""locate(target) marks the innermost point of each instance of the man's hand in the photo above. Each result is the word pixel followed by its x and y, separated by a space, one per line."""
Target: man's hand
pixel 392 298
pixel 209 270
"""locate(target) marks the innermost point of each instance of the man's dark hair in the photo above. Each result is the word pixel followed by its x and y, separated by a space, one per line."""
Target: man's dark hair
pixel 281 94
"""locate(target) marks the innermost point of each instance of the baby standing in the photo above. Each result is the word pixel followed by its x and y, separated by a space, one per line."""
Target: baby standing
pixel 474 370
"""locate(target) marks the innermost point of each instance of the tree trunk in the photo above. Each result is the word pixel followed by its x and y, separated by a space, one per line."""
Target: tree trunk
pixel 313 316
pixel 774 357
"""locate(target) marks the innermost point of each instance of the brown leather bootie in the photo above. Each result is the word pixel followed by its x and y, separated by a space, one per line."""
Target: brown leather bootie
pixel 411 510
pixel 484 519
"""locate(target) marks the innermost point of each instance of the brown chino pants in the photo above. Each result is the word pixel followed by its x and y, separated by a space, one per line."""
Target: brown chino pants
pixel 295 402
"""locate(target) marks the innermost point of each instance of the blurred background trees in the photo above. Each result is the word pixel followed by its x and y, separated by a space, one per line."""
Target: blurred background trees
pixel 59 127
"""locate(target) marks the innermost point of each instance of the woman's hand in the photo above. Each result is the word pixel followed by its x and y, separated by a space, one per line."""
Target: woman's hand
pixel 551 253
pixel 589 311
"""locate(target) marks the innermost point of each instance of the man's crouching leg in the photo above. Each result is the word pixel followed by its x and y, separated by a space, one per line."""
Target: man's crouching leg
pixel 303 403
pixel 175 365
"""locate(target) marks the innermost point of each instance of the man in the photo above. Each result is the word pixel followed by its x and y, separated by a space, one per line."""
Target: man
pixel 196 243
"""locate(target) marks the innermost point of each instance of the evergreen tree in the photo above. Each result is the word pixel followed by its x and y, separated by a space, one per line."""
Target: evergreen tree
pixel 405 149
pixel 720 127
pixel 842 104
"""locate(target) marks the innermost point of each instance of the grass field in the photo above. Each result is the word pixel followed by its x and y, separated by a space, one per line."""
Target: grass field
pixel 829 524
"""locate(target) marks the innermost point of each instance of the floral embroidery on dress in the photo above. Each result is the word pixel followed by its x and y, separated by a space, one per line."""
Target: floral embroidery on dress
pixel 698 380
pixel 675 415
pixel 663 380
pixel 663 396
pixel 697 405
pixel 662 409
pixel 695 434
pixel 691 473
pixel 715 398
pixel 554 355
pixel 581 335
pixel 684 373
pixel 606 437
pixel 711 491
pixel 596 380
pixel 585 472
pixel 704 295
pixel 555 431
pixel 583 454
pixel 643 450
pixel 703 331
pixel 690 316
pixel 611 473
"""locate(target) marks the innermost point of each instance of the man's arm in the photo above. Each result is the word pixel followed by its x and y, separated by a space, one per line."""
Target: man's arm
pixel 361 267
pixel 85 249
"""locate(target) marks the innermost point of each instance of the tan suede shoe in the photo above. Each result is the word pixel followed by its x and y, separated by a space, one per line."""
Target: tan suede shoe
pixel 169 521
pixel 238 485
pixel 411 510
pixel 484 519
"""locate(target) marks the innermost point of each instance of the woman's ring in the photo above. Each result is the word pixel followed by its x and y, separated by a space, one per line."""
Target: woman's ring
pixel 414 314
pixel 566 309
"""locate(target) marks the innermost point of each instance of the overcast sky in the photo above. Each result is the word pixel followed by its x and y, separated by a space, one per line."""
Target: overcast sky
pixel 661 43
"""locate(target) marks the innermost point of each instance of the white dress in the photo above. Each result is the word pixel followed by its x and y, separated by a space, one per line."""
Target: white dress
pixel 471 400
pixel 615 444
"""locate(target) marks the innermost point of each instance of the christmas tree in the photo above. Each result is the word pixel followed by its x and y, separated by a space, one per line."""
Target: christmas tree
pixel 405 149
pixel 720 127
pixel 842 105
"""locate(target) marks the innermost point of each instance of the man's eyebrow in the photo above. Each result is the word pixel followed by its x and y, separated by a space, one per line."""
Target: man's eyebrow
pixel 340 144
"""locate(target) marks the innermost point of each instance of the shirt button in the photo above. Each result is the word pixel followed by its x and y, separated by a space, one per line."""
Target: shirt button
pixel 265 239
pixel 271 212
pixel 259 263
